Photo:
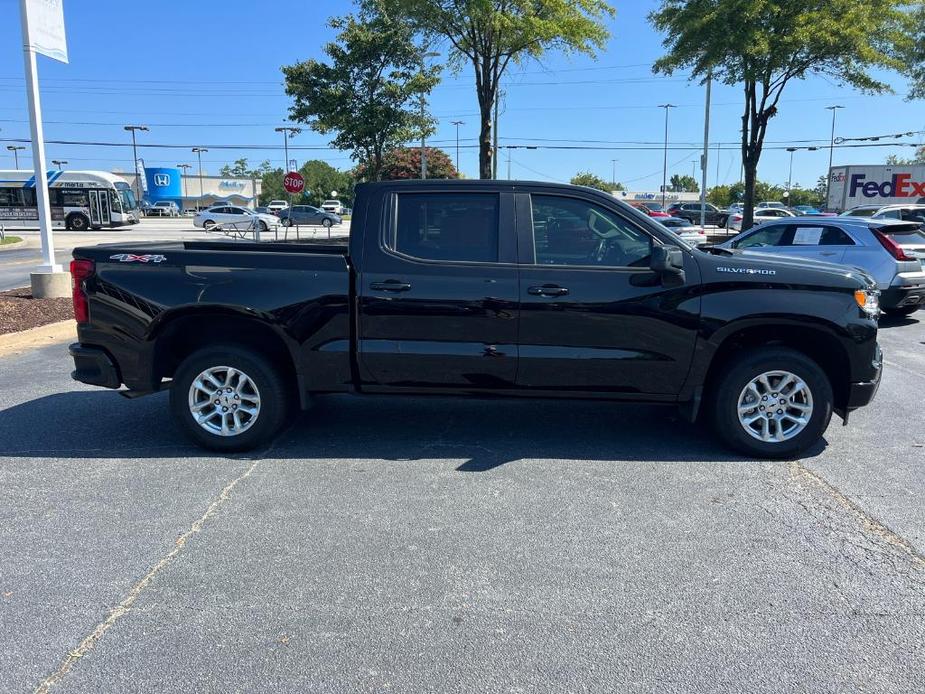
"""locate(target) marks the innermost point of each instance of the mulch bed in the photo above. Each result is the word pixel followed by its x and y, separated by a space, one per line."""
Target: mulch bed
pixel 19 311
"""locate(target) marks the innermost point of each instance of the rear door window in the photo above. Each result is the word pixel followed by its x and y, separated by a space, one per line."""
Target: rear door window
pixel 448 226
pixel 766 236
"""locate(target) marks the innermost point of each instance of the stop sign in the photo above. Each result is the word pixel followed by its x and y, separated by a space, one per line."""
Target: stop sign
pixel 293 182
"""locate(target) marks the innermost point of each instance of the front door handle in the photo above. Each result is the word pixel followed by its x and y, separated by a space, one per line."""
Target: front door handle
pixel 547 290
pixel 390 286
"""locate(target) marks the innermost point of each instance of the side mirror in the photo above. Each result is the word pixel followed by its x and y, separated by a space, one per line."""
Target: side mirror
pixel 668 262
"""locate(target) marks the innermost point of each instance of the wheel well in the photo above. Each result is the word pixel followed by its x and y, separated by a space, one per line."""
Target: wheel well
pixel 185 335
pixel 821 347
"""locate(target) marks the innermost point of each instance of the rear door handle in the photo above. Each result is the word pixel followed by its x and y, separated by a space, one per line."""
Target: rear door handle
pixel 390 286
pixel 547 290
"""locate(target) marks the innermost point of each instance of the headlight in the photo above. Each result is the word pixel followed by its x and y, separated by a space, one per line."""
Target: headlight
pixel 869 301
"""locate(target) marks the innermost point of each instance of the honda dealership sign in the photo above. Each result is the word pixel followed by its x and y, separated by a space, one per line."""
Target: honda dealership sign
pixel 45 19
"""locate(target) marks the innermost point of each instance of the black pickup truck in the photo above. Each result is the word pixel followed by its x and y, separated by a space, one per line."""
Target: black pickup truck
pixel 480 288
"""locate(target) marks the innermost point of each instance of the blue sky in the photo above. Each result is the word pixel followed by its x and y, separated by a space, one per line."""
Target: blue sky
pixel 207 73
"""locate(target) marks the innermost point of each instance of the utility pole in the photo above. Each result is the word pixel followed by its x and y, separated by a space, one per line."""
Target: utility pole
pixel 613 173
pixel 59 163
pixel 667 107
pixel 186 168
pixel 457 123
pixel 198 152
pixel 423 140
pixel 494 133
pixel 15 149
pixel 704 159
pixel 132 129
pixel 828 174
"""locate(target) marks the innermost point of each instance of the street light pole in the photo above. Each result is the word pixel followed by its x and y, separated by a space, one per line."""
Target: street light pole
pixel 15 149
pixel 457 123
pixel 132 129
pixel 828 174
pixel 790 175
pixel 613 173
pixel 667 107
pixel 186 168
pixel 198 152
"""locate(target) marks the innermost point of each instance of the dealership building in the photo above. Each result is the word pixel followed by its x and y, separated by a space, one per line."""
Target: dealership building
pixel 192 192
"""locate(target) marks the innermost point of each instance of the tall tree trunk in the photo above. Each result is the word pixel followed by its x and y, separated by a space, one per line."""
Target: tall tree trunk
pixel 486 102
pixel 749 162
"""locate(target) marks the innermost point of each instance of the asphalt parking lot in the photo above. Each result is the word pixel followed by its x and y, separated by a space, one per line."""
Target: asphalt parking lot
pixel 416 545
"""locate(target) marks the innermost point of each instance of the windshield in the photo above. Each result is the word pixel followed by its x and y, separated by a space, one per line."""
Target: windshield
pixel 128 199
pixel 860 212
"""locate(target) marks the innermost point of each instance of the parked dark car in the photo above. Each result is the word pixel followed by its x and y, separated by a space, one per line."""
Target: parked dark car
pixel 480 288
pixel 691 212
pixel 306 214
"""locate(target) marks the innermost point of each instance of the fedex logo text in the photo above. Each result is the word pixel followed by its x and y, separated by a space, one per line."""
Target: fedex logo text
pixel 899 186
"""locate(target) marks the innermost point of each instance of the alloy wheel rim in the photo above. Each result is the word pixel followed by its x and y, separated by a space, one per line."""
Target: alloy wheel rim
pixel 224 401
pixel 775 406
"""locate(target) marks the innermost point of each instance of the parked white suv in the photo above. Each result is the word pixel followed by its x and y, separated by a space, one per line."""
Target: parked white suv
pixel 905 213
pixel 333 206
pixel 164 208
pixel 277 206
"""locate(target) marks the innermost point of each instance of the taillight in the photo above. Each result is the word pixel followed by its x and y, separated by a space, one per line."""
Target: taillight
pixel 737 218
pixel 80 270
pixel 893 248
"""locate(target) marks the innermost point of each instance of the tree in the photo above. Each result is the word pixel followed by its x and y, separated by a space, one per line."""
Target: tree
pixel 240 169
pixel 913 53
pixel 917 158
pixel 586 178
pixel 321 179
pixel 405 162
pixel 762 45
pixel 723 196
pixel 371 94
pixel 686 184
pixel 491 34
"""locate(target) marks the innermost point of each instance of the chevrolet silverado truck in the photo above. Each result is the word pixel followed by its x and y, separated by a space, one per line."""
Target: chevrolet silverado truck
pixel 480 288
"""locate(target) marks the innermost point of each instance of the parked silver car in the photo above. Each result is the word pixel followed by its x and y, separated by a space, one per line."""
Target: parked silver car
pixel 892 251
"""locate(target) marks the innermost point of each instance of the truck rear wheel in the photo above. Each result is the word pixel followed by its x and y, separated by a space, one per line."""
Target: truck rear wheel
pixel 228 398
pixel 773 402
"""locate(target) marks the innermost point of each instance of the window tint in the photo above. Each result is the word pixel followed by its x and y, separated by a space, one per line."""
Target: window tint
pixel 569 231
pixel 818 235
pixel 775 235
pixel 448 226
pixel 10 197
pixel 891 214
pixel 913 215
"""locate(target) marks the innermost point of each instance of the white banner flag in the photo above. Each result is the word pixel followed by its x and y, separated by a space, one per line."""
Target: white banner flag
pixel 46 28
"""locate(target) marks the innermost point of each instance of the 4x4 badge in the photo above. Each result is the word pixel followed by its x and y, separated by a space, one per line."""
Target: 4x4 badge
pixel 132 258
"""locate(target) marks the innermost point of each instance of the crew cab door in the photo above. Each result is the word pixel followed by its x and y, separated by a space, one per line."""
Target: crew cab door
pixel 438 292
pixel 593 316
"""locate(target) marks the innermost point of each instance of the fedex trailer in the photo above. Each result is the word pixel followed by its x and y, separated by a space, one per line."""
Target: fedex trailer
pixel 850 186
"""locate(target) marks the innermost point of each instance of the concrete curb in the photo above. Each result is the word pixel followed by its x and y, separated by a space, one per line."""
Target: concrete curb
pixel 10 246
pixel 25 340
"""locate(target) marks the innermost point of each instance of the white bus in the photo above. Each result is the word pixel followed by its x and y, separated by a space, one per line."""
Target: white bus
pixel 79 200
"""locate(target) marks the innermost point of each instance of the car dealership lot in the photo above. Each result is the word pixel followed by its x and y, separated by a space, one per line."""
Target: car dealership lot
pixel 430 544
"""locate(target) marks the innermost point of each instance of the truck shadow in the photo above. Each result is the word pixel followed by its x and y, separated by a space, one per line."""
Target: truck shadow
pixel 475 435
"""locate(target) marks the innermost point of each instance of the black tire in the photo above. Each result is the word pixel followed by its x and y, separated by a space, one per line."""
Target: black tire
pixel 77 222
pixel 286 222
pixel 208 224
pixel 274 405
pixel 327 223
pixel 262 226
pixel 751 364
pixel 901 312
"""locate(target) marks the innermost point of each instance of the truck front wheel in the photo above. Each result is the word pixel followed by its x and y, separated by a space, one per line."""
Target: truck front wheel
pixel 228 398
pixel 772 402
